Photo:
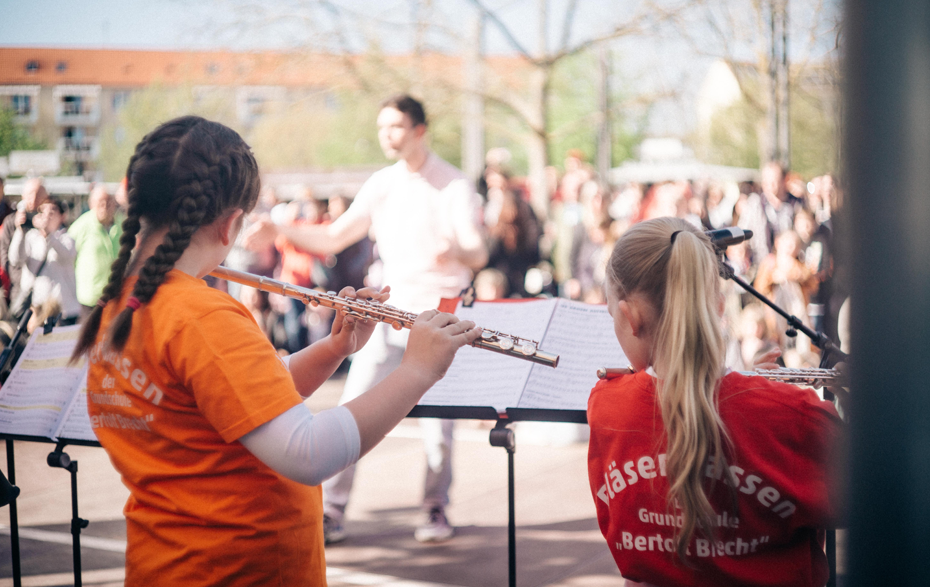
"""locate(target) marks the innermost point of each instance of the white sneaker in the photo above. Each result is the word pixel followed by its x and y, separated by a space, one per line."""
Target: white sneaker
pixel 436 528
pixel 333 531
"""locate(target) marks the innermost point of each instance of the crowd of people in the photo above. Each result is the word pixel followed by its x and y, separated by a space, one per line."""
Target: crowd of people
pixel 564 250
pixel 51 266
pixel 60 269
pixel 234 481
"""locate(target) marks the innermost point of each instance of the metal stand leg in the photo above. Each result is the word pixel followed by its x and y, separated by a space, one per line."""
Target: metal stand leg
pixel 61 460
pixel 831 557
pixel 504 437
pixel 13 492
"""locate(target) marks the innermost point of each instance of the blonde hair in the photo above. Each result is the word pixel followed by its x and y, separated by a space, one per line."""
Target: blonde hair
pixel 673 266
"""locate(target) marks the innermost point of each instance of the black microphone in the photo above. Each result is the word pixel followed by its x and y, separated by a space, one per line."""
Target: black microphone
pixel 724 237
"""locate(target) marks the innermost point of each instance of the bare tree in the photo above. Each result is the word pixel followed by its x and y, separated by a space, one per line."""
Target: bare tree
pixel 775 49
pixel 364 33
pixel 532 105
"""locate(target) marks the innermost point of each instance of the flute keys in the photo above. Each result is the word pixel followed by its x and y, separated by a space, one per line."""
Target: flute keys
pixel 528 349
pixel 487 334
pixel 396 325
pixel 505 343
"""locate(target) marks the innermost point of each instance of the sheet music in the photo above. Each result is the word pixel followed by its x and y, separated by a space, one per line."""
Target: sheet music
pixel 583 337
pixel 75 424
pixel 40 388
pixel 480 377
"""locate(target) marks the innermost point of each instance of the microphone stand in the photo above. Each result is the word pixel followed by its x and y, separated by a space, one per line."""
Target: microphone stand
pixel 820 339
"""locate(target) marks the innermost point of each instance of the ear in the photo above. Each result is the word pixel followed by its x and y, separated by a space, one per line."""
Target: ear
pixel 419 131
pixel 230 225
pixel 721 304
pixel 631 312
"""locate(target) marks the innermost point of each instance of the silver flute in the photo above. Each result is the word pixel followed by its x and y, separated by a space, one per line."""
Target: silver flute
pixel 815 378
pixel 491 340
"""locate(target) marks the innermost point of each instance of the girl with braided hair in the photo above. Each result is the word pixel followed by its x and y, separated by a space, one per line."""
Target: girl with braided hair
pixel 700 476
pixel 203 421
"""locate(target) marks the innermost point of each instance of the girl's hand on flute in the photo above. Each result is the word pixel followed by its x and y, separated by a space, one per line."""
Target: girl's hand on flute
pixel 349 334
pixel 434 338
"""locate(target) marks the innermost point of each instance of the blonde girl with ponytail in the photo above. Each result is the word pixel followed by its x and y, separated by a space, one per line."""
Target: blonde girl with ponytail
pixel 700 476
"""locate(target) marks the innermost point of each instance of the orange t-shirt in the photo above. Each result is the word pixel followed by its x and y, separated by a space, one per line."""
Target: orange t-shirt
pixel 197 374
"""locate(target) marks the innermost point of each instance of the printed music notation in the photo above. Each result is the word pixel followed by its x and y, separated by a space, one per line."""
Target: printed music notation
pixel 581 334
pixel 44 396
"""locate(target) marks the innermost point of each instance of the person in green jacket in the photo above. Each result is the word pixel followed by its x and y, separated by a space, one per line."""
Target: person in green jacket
pixel 96 234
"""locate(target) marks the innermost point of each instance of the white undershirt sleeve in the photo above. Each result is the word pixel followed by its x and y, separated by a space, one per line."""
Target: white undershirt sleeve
pixel 306 448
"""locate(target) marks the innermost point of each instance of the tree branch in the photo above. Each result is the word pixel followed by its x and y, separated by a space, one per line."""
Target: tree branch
pixel 503 29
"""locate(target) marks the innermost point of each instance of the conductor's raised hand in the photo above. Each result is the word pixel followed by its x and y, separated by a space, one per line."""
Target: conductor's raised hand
pixel 349 334
pixel 434 338
pixel 261 234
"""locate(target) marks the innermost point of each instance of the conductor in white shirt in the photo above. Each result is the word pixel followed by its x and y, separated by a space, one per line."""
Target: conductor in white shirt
pixel 424 216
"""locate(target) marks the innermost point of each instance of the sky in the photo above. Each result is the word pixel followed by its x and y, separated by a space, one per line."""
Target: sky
pixel 94 23
pixel 654 66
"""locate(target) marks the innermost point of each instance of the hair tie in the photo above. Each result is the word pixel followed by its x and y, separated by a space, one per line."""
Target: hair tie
pixel 133 303
pixel 674 234
pixel 101 303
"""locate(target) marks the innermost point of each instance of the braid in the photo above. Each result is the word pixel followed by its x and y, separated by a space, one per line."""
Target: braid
pixel 183 175
pixel 114 285
pixel 156 267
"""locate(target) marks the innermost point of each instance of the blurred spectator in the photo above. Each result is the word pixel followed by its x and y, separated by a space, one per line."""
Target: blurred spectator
pixel 816 250
pixel 755 336
pixel 820 197
pixel 349 266
pixel 490 284
pixel 5 208
pixel 513 231
pixel 260 258
pixel 591 246
pixel 297 267
pixel 789 283
pixel 577 173
pixel 566 214
pixel 626 204
pixel 721 199
pixel 121 195
pixel 780 205
pixel 666 199
pixel 96 235
pixel 46 254
pixel 258 305
pixel 697 210
pixel 34 194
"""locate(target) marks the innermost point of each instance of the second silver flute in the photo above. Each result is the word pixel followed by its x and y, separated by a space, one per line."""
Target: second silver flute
pixel 492 340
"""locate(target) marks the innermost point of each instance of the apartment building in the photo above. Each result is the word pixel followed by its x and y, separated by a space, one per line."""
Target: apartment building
pixel 67 96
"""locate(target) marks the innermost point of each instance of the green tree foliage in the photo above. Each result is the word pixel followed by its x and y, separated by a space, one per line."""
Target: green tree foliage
pixel 312 130
pixel 574 117
pixel 814 137
pixel 734 134
pixel 318 131
pixel 574 112
pixel 734 138
pixel 16 137
pixel 148 108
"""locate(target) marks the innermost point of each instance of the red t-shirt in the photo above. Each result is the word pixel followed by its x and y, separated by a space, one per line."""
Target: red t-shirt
pixel 782 442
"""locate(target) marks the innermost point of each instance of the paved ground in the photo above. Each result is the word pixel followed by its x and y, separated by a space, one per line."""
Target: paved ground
pixel 557 538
